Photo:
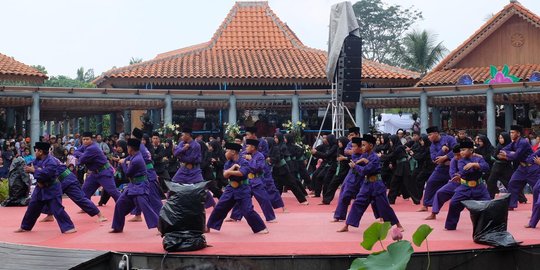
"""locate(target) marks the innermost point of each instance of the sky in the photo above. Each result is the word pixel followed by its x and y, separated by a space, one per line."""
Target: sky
pixel 63 35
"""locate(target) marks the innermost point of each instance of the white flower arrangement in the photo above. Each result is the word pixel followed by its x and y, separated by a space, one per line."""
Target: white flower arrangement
pixel 231 130
pixel 169 129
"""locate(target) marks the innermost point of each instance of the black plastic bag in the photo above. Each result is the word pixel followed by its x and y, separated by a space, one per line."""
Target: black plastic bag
pixel 490 219
pixel 184 241
pixel 184 209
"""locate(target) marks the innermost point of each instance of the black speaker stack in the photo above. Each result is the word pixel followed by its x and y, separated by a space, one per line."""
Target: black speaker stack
pixel 349 69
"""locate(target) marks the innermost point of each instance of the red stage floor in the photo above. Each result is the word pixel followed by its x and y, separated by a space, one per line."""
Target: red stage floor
pixel 305 230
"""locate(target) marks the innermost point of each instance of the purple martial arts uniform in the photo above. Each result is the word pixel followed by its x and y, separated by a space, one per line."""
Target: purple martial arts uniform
pixel 349 189
pixel 71 187
pixel 49 195
pixel 520 152
pixel 535 217
pixel 446 192
pixel 137 193
pixel 372 191
pixel 470 189
pixel 185 175
pixel 240 195
pixel 270 185
pixel 255 176
pixel 440 175
pixel 156 193
pixel 100 172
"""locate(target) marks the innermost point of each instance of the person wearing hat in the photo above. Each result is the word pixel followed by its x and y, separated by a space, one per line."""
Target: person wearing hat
pixel 353 181
pixel 353 133
pixel 100 172
pixel 441 154
pixel 535 217
pixel 519 152
pixel 156 193
pixel 470 168
pixel 137 192
pixel 446 192
pixel 341 171
pixel 238 191
pixel 269 183
pixel 160 162
pixel 239 139
pixel 188 152
pixel 48 191
pixel 256 162
pixel 372 191
pixel 251 133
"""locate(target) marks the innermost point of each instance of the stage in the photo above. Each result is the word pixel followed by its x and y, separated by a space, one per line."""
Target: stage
pixel 303 232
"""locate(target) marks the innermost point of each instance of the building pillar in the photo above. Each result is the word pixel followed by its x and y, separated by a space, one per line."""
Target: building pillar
pixel 360 116
pixel 56 128
pixel 34 121
pixel 168 111
pixel 112 124
pixel 367 118
pixel 424 115
pixel 86 124
pixel 41 126
pixel 99 124
pixel 295 112
pixel 127 121
pixel 10 120
pixel 435 118
pixel 490 115
pixel 77 125
pixel 156 118
pixel 66 128
pixel 232 109
pixel 48 127
pixel 508 117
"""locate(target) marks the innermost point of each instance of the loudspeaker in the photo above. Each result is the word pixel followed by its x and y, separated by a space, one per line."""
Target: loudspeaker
pixel 352 46
pixel 350 96
pixel 349 69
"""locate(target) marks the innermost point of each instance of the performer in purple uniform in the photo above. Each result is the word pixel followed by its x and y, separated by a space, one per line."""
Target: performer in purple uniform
pixel 373 189
pixel 48 191
pixel 441 154
pixel 72 188
pixel 188 153
pixel 446 192
pixel 256 163
pixel 137 191
pixel 527 172
pixel 238 191
pixel 156 194
pixel 100 172
pixel 352 182
pixel 535 217
pixel 470 168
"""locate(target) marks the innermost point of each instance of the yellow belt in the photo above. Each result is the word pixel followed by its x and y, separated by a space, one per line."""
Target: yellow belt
pixel 373 178
pixel 469 183
pixel 524 164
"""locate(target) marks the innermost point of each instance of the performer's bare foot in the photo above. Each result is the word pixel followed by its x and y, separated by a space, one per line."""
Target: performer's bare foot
pixel 81 212
pixel 284 210
pixel 21 230
pixel 344 229
pixel 528 226
pixel 304 203
pixel 206 230
pixel 398 225
pixel 115 231
pixel 422 209
pixel 273 220
pixel 101 218
pixel 136 218
pixel 48 218
pixel 381 220
pixel 265 231
pixel 70 231
pixel 335 220
pixel 231 220
pixel 431 217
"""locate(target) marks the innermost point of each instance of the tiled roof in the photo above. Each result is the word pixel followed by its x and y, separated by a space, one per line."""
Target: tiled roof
pixel 251 47
pixel 13 70
pixel 444 73
pixel 479 74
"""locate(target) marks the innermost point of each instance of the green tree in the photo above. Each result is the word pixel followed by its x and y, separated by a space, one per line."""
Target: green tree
pixel 87 76
pixel 41 69
pixel 382 28
pixel 420 52
pixel 134 60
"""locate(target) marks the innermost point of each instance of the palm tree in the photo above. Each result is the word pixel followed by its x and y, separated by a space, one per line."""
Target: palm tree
pixel 419 52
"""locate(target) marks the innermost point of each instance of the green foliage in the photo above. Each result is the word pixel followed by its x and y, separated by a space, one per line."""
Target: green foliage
pixel 65 81
pixel 421 234
pixel 4 189
pixel 395 258
pixel 374 233
pixel 41 69
pixel 419 51
pixel 135 60
pixel 382 28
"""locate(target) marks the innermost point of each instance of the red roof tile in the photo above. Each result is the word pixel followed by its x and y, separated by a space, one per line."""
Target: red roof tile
pixel 479 74
pixel 13 70
pixel 252 46
pixel 444 73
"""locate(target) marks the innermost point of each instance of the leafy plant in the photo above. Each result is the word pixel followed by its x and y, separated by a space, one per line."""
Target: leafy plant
pixel 397 255
pixel 231 130
pixel 4 189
